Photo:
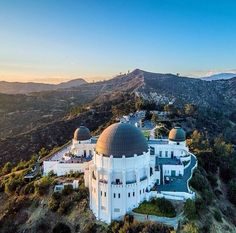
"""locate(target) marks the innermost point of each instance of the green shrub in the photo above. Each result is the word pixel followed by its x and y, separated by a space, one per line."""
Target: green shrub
pixel 68 189
pixel 53 204
pixel 190 209
pixel 65 206
pixel 232 192
pixel 198 181
pixel 13 183
pixel 190 228
pixel 159 207
pixel 54 201
pixel 7 168
pixel 61 228
pixel 28 189
pixel 217 216
pixel 42 185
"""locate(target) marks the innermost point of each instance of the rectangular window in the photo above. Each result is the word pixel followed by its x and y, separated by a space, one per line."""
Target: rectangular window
pixel 133 194
pixel 128 194
pixel 140 192
pixel 105 194
pixel 166 153
pixel 101 193
pixel 114 195
pixel 118 195
pixel 172 154
pixel 160 153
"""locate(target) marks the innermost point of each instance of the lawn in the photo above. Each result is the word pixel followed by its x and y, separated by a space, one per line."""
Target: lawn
pixel 146 133
pixel 159 207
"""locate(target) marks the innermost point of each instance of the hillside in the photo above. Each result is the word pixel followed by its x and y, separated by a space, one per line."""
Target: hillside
pixel 219 76
pixel 23 88
pixel 24 117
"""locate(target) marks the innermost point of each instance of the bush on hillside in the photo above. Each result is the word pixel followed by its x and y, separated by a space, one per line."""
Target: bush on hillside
pixel 232 192
pixel 157 206
pixel 42 186
pixel 190 209
pixel 7 168
pixel 217 216
pixel 61 228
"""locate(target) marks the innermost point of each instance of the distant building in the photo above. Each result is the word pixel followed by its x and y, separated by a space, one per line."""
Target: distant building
pixel 122 168
pixel 60 187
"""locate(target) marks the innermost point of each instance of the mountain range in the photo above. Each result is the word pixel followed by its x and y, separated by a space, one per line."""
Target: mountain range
pixel 219 76
pixel 23 88
pixel 28 121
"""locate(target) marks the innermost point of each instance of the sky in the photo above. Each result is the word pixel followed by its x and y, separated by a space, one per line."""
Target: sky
pixel 57 40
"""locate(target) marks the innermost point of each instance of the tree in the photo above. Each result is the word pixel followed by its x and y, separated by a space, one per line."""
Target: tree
pixel 61 228
pixel 190 209
pixel 154 118
pixel 42 185
pixel 170 108
pixel 190 228
pixel 232 192
pixel 189 109
pixel 7 168
pixel 221 148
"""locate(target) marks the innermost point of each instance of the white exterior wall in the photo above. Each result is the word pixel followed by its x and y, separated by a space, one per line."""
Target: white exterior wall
pixel 179 169
pixel 61 169
pixel 101 173
pixel 79 147
pixel 123 197
pixel 178 150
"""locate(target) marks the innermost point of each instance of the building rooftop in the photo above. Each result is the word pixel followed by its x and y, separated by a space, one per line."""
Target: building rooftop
pixel 177 134
pixel 82 133
pixel 168 161
pixel 158 141
pixel 121 139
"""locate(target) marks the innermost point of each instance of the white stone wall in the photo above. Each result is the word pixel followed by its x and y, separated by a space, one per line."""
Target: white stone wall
pixel 178 169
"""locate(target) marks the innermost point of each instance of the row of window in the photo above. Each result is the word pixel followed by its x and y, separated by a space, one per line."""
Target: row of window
pixel 129 194
pixel 166 153
pixel 118 195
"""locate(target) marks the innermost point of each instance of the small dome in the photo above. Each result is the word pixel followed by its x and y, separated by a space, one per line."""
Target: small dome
pixel 177 134
pixel 82 133
pixel 121 139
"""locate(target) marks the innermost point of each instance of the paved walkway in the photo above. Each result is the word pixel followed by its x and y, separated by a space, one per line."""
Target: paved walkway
pixel 180 184
pixel 164 220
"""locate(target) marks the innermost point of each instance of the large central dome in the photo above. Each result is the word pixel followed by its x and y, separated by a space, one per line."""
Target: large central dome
pixel 121 139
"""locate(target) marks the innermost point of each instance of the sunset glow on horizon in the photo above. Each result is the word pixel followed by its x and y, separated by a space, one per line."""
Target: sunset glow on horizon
pixel 55 41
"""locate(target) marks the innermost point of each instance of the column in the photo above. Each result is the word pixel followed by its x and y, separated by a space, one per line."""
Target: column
pixel 98 201
pixel 109 196
pixel 123 194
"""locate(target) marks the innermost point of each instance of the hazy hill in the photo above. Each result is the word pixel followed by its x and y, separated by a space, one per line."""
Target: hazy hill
pixel 23 88
pixel 25 115
pixel 21 113
pixel 219 76
pixel 171 88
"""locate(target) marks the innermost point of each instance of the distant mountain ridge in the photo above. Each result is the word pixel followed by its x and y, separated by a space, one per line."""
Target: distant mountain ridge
pixel 24 88
pixel 219 76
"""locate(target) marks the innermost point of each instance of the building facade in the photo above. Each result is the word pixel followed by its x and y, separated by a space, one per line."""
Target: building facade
pixel 122 168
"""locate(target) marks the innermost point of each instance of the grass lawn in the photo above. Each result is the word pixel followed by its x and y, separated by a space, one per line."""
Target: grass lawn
pixel 159 207
pixel 146 133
